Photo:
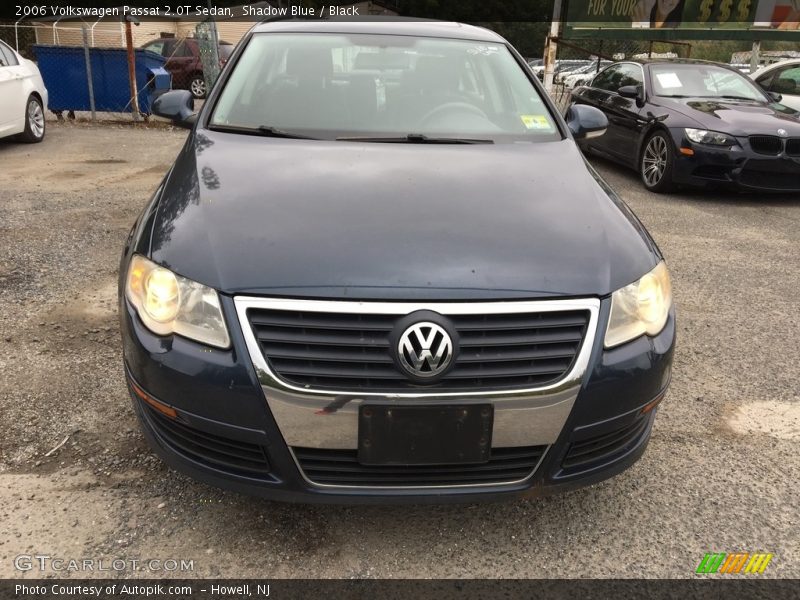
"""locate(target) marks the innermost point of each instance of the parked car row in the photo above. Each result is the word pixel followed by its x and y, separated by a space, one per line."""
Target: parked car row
pixel 699 123
pixel 564 67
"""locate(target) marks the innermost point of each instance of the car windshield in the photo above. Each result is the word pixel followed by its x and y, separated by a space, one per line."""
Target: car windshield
pixel 702 81
pixel 382 86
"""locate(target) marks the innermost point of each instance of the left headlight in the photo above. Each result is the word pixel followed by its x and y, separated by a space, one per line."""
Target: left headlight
pixel 168 303
pixel 640 308
pixel 713 138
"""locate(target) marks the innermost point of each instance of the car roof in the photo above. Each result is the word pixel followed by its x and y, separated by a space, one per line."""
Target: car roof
pixel 385 26
pixel 673 61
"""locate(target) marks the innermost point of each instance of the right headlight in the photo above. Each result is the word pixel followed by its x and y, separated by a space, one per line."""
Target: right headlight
pixel 168 303
pixel 640 308
pixel 712 138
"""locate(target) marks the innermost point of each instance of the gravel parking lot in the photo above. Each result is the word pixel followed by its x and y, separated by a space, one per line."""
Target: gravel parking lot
pixel 721 473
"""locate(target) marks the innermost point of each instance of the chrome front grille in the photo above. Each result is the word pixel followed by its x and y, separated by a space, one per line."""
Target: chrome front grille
pixel 314 349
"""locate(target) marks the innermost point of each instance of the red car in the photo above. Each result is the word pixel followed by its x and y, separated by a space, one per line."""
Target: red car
pixel 184 63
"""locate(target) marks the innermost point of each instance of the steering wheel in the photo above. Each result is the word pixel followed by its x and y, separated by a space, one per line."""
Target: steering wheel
pixel 453 106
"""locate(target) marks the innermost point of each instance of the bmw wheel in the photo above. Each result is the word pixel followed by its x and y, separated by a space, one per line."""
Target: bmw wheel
pixel 34 121
pixel 656 163
pixel 198 87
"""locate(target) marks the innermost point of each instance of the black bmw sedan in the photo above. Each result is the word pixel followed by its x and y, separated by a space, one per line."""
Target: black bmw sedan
pixel 380 269
pixel 694 123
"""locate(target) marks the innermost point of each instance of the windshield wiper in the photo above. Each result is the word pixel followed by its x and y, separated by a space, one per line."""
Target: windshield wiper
pixel 416 138
pixel 728 97
pixel 262 130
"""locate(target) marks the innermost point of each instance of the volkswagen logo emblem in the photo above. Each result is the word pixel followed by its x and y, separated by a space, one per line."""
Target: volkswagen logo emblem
pixel 783 132
pixel 425 350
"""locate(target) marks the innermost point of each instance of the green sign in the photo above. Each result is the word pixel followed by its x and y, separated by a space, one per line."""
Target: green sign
pixel 676 19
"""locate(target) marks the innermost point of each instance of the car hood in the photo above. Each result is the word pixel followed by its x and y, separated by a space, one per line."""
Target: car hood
pixel 306 218
pixel 738 117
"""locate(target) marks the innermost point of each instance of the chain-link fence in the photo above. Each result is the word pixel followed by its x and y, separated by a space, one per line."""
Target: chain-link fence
pixel 578 61
pixel 114 70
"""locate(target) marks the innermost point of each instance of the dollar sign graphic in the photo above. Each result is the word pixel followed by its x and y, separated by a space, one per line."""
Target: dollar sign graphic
pixel 744 11
pixel 724 11
pixel 705 10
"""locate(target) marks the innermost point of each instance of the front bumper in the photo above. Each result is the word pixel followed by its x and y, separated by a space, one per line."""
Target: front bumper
pixel 233 431
pixel 739 167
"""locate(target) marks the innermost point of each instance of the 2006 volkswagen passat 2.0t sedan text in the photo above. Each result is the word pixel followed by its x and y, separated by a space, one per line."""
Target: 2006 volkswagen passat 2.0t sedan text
pixel 380 269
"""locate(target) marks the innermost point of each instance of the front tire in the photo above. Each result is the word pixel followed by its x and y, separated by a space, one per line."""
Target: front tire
pixel 197 86
pixel 34 121
pixel 656 163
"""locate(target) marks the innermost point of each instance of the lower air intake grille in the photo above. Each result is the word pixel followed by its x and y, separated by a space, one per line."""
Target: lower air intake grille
pixel 771 174
pixel 222 453
pixel 341 467
pixel 605 448
pixel 351 351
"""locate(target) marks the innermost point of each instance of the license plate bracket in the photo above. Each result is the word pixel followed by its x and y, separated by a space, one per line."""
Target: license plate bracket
pixel 424 435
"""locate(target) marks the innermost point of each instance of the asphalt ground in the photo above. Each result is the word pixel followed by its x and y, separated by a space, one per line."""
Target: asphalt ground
pixel 721 472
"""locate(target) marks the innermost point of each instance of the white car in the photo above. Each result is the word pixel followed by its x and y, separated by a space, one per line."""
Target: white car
pixel 782 77
pixel 23 97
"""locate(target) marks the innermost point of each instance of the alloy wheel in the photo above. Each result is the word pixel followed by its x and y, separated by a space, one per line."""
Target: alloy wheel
pixel 36 118
pixel 198 87
pixel 654 160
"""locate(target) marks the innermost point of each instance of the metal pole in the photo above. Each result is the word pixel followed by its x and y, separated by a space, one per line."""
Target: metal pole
pixel 754 56
pixel 132 71
pixel 89 77
pixel 551 47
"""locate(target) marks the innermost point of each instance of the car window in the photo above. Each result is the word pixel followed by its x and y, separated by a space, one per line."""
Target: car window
pixel 181 49
pixel 157 47
pixel 340 85
pixel 785 80
pixel 702 81
pixel 617 76
pixel 225 51
pixel 7 56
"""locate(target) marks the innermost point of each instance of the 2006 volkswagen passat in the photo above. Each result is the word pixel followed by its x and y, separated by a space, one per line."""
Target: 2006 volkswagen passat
pixel 379 269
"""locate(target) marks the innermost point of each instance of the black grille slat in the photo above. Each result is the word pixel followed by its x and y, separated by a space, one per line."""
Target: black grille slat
pixel 307 352
pixel 511 322
pixel 495 353
pixel 346 370
pixel 207 448
pixel 341 467
pixel 613 439
pixel 323 321
pixel 191 437
pixel 350 351
pixel 766 144
pixel 320 337
pixel 793 147
pixel 521 337
pixel 511 369
pixel 600 449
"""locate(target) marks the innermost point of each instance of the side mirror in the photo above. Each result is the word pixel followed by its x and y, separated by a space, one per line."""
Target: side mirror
pixel 177 106
pixel 775 96
pixel 634 92
pixel 586 122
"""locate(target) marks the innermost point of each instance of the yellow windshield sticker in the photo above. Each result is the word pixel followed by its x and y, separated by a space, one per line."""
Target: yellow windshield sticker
pixel 535 122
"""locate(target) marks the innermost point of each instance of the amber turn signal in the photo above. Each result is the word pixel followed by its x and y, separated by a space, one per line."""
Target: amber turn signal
pixel 159 406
